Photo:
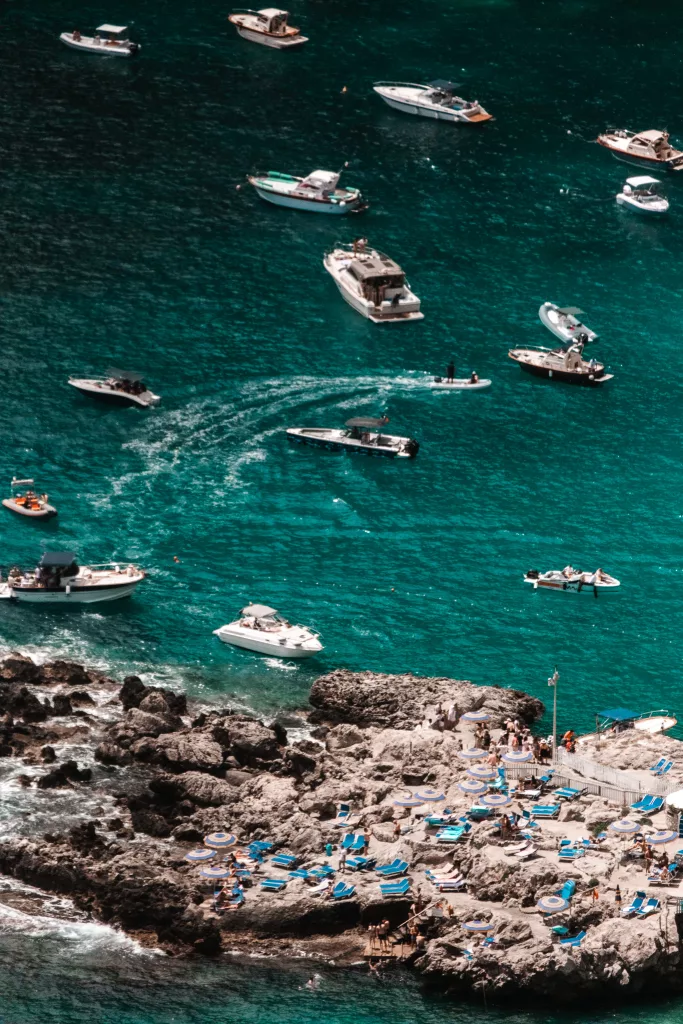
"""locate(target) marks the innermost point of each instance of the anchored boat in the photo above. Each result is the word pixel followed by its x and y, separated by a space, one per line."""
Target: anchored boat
pixel 437 99
pixel 120 387
pixel 563 323
pixel 650 147
pixel 372 283
pixel 268 27
pixel 565 364
pixel 363 436
pixel 58 579
pixel 35 506
pixel 643 195
pixel 317 193
pixel 108 41
pixel 262 629
pixel 572 579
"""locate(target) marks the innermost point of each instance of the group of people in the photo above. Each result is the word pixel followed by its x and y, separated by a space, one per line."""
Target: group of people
pixel 450 374
pixel 660 864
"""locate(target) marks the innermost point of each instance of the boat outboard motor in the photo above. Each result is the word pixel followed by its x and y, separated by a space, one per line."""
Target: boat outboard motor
pixel 133 48
pixel 533 574
pixel 411 447
pixel 437 380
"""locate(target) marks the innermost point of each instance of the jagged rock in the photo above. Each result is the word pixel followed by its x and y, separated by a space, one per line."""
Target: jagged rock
pixel 150 823
pixel 343 736
pixel 25 705
pixel 181 752
pixel 48 755
pixel 66 773
pixel 111 753
pixel 61 705
pixel 142 723
pixel 134 692
pixel 249 741
pixel 203 790
pixel 18 669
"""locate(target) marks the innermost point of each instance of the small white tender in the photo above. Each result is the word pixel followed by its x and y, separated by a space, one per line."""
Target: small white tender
pixel 268 27
pixel 437 100
pixel 261 629
pixel 28 503
pixel 572 579
pixel 563 323
pixel 372 283
pixel 59 579
pixel 473 383
pixel 316 193
pixel 642 195
pixel 108 41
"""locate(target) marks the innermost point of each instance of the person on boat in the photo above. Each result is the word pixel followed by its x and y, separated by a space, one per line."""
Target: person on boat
pixel 76 36
pixel 450 372
pixel 474 379
pixel 568 572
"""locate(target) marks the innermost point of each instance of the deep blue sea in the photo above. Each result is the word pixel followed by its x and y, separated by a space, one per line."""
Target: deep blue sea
pixel 125 240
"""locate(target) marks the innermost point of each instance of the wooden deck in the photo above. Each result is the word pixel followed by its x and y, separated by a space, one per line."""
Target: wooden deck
pixel 388 952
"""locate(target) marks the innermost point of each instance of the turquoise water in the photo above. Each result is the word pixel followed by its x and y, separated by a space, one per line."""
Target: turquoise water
pixel 126 241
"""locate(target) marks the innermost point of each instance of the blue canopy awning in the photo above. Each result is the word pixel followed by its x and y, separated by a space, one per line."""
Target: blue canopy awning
pixel 618 714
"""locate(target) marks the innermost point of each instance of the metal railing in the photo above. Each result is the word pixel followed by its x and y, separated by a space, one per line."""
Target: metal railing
pixel 618 778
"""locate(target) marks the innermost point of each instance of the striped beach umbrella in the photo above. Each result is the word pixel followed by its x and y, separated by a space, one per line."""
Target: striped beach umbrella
pixel 407 800
pixel 482 771
pixel 200 856
pixel 471 753
pixel 430 796
pixel 663 836
pixel 551 904
pixel 625 826
pixel 475 716
pixel 496 800
pixel 517 756
pixel 215 871
pixel 477 926
pixel 472 787
pixel 220 840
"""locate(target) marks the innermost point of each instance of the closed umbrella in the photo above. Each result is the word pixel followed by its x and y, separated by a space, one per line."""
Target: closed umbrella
pixel 477 926
pixel 663 836
pixel 551 904
pixel 496 800
pixel 517 756
pixel 472 787
pixel 482 771
pixel 215 871
pixel 472 753
pixel 220 840
pixel 430 796
pixel 199 856
pixel 625 826
pixel 407 800
pixel 475 716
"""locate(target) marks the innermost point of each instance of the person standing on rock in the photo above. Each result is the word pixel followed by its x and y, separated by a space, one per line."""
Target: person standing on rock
pixel 342 862
pixel 452 717
pixel 617 899
pixel 397 829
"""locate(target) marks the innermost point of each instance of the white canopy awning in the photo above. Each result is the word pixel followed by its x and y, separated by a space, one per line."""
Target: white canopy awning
pixel 644 180
pixel 259 611
pixel 112 29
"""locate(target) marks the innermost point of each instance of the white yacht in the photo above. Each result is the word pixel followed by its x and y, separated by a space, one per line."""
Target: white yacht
pixel 108 41
pixel 28 503
pixel 563 323
pixel 643 195
pixel 437 99
pixel 120 387
pixel 651 147
pixel 372 283
pixel 565 363
pixel 364 436
pixel 268 27
pixel 261 629
pixel 316 193
pixel 58 579
pixel 572 579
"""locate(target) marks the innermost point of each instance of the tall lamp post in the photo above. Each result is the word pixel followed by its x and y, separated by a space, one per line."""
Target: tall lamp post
pixel 552 681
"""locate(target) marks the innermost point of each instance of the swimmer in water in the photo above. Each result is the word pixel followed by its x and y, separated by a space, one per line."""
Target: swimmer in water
pixel 313 983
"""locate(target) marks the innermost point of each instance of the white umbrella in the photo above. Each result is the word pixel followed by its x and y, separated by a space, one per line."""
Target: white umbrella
pixel 625 826
pixel 551 904
pixel 220 840
pixel 482 771
pixel 215 871
pixel 517 756
pixel 663 836
pixel 472 787
pixel 430 796
pixel 475 716
pixel 495 800
pixel 199 856
pixel 408 800
pixel 471 753
pixel 477 926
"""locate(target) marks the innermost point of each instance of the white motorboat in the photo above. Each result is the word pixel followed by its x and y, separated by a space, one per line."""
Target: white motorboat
pixel 58 579
pixel 563 323
pixel 35 506
pixel 268 27
pixel 651 147
pixel 372 283
pixel 317 193
pixel 572 579
pixel 436 99
pixel 473 383
pixel 261 629
pixel 363 437
pixel 642 195
pixel 565 363
pixel 120 387
pixel 108 41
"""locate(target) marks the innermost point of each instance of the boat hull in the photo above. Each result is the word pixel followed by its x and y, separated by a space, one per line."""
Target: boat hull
pixel 566 376
pixel 571 586
pixel 86 45
pixel 77 595
pixel 459 384
pixel 115 397
pixel 44 513
pixel 263 647
pixel 434 112
pixel 548 316
pixel 274 42
pixel 309 206
pixel 648 210
pixel 369 311
pixel 331 445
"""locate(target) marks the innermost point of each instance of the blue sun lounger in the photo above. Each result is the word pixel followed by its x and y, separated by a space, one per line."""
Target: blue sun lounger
pixel 545 810
pixel 324 871
pixel 635 905
pixel 649 907
pixel 395 888
pixel 567 793
pixel 575 941
pixel 649 804
pixel 283 860
pixel 273 884
pixel 660 764
pixel 300 873
pixel 666 767
pixel 397 867
pixel 361 863
pixel 567 890
pixel 342 891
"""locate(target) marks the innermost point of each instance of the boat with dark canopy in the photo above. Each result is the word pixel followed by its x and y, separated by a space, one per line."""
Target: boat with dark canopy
pixel 363 436
pixel 60 579
pixel 120 386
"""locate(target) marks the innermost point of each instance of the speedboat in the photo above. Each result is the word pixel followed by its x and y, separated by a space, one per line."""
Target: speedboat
pixel 268 27
pixel 643 195
pixel 651 147
pixel 472 383
pixel 120 387
pixel 437 99
pixel 364 437
pixel 261 629
pixel 108 41
pixel 317 193
pixel 572 579
pixel 58 579
pixel 563 323
pixel 565 363
pixel 372 283
pixel 29 503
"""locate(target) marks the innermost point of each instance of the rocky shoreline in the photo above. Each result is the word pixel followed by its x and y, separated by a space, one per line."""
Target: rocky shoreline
pixel 164 776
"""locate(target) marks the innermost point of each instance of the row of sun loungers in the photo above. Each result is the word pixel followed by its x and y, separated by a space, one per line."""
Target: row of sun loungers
pixel 649 804
pixel 641 906
pixel 663 767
